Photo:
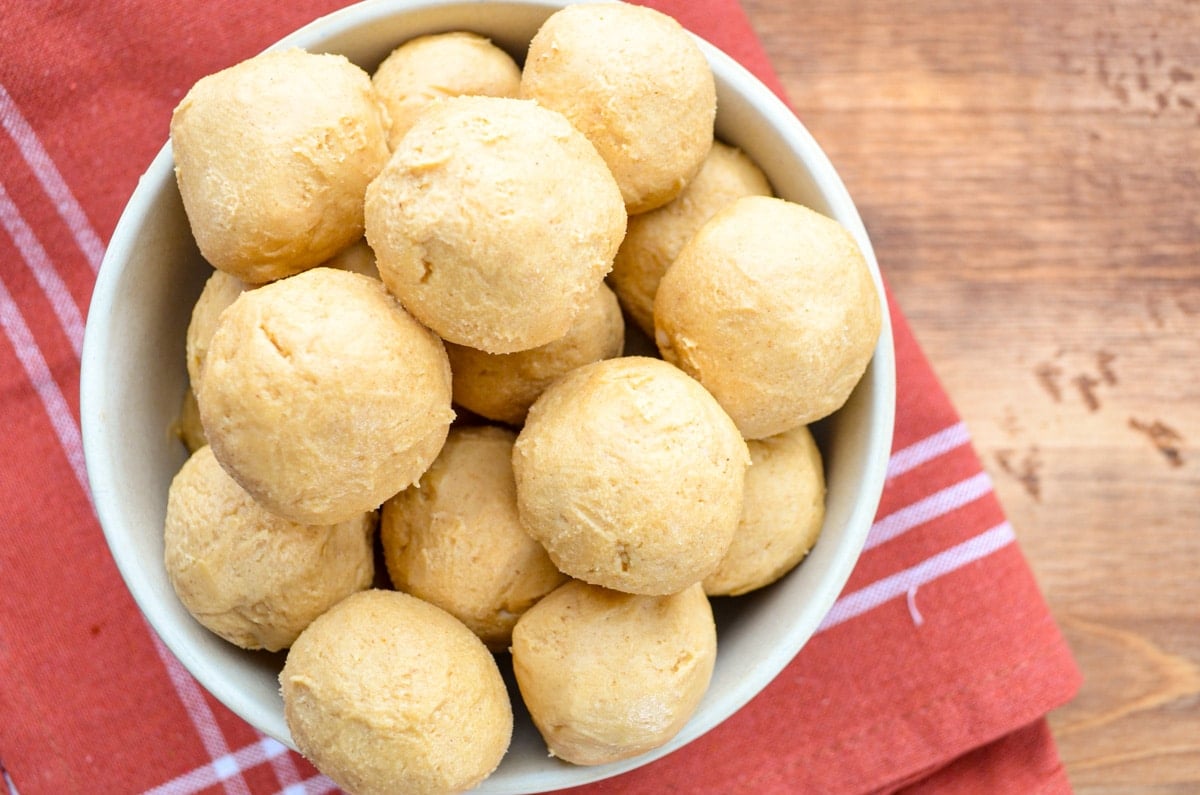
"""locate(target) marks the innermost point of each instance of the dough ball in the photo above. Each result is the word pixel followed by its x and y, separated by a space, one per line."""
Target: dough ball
pixel 781 516
pixel 607 675
pixel 636 84
pixel 386 693
pixel 771 306
pixel 440 65
pixel 248 575
pixel 494 222
pixel 654 239
pixel 502 386
pixel 187 426
pixel 322 397
pixel 631 476
pixel 273 156
pixel 220 290
pixel 356 258
pixel 455 538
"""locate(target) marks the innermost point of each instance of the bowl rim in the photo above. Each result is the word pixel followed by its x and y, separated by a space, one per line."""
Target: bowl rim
pixel 94 393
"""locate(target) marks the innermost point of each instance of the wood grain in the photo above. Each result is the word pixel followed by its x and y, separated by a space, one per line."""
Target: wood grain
pixel 1029 172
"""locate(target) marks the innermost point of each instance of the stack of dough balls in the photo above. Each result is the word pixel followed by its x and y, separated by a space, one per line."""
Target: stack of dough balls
pixel 414 345
pixel 655 238
pixel 781 516
pixel 455 539
pixel 503 386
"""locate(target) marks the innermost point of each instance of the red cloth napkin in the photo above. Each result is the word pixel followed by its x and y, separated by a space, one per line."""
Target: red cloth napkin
pixel 933 673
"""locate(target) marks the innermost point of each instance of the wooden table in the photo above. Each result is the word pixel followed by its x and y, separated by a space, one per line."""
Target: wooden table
pixel 1029 172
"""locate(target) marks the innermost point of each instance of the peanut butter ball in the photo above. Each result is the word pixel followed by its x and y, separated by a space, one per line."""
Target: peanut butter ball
pixel 273 156
pixel 220 290
pixel 455 538
pixel 356 258
pixel 781 515
pixel 636 84
pixel 631 475
pixel 386 693
pixel 440 65
pixel 494 222
pixel 502 386
pixel 248 575
pixel 187 425
pixel 655 238
pixel 322 397
pixel 772 307
pixel 608 675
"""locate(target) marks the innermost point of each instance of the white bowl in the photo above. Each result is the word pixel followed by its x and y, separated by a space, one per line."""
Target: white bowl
pixel 133 379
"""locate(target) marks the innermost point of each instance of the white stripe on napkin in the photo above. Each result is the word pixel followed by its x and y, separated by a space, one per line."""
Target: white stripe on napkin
pixel 222 768
pixel 905 582
pixel 66 428
pixel 246 758
pixel 927 449
pixel 55 290
pixel 211 736
pixel 51 180
pixel 285 769
pixel 317 785
pixel 928 508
